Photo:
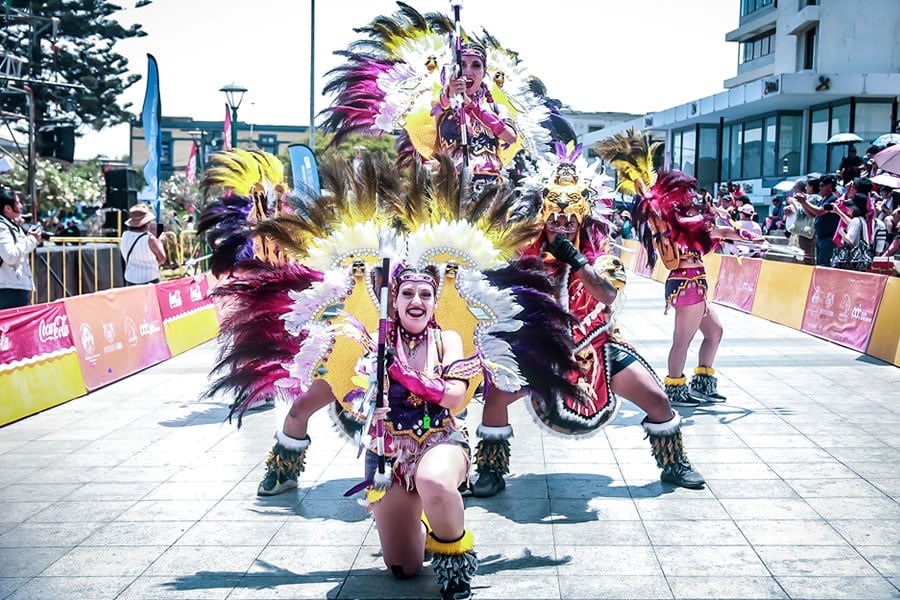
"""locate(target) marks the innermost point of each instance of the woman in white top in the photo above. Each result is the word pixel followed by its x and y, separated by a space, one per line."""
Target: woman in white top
pixel 142 251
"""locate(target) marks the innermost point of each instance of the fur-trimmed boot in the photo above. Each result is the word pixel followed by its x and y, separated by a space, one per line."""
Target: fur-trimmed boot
pixel 491 460
pixel 454 563
pixel 668 450
pixel 678 393
pixel 704 385
pixel 283 466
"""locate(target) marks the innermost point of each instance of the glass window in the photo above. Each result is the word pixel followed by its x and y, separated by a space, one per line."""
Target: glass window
pixel 808 62
pixel 840 123
pixel 818 135
pixel 735 143
pixel 768 153
pixel 726 153
pixel 676 150
pixel 752 148
pixel 165 157
pixel 872 119
pixel 789 140
pixel 688 152
pixel 706 157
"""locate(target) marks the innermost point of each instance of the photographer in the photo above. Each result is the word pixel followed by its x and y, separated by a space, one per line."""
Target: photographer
pixel 16 244
pixel 826 220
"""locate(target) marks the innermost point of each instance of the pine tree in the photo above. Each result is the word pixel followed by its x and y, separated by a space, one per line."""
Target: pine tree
pixel 67 42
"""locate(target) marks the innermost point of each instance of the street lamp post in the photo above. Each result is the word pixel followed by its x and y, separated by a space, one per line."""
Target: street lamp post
pixel 234 95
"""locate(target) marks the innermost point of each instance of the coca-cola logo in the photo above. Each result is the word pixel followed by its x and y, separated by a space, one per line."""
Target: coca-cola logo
pixel 5 344
pixel 53 330
pixel 196 293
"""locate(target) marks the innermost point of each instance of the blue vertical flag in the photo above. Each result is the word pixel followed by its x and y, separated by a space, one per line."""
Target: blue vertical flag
pixel 150 114
pixel 305 171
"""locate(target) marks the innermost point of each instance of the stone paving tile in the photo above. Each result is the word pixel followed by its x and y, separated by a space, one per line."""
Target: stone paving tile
pixel 797 532
pixel 723 588
pixel 694 533
pixel 71 587
pixel 29 562
pixel 603 587
pixel 105 561
pixel 150 533
pixel 208 561
pixel 190 586
pixel 715 560
pixel 814 561
pixel 35 535
pixel 839 588
pixel 756 489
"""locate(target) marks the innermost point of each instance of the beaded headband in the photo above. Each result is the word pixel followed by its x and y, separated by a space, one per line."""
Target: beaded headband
pixel 472 49
pixel 411 275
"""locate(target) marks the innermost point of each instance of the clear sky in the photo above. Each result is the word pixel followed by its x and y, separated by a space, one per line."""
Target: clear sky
pixel 594 55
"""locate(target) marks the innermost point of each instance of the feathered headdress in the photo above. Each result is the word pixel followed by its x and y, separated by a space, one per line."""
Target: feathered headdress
pixel 664 214
pixel 393 76
pixel 252 188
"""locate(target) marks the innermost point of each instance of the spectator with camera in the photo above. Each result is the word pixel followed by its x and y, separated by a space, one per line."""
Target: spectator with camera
pixel 825 221
pixel 16 245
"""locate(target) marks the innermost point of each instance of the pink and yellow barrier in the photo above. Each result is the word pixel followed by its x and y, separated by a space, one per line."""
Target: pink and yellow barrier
pixel 848 308
pixel 52 353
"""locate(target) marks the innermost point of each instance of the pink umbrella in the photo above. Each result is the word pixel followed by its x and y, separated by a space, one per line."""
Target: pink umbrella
pixel 889 159
pixel 886 179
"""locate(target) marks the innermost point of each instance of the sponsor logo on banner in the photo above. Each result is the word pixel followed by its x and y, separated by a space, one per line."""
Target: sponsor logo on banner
pixel 131 333
pixel 175 299
pixel 150 329
pixel 34 332
pixel 87 340
pixel 182 296
pixel 841 306
pixel 736 284
pixel 53 329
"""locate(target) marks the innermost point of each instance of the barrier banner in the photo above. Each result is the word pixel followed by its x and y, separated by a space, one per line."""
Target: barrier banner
pixel 841 306
pixel 640 262
pixel 38 364
pixel 736 283
pixel 117 332
pixel 189 317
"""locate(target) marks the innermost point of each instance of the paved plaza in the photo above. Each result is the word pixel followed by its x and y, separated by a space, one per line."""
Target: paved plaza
pixel 141 491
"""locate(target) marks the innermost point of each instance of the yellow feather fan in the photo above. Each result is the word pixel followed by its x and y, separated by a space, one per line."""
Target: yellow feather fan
pixel 631 153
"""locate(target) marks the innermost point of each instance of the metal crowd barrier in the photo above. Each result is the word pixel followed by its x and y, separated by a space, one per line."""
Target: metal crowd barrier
pixel 71 266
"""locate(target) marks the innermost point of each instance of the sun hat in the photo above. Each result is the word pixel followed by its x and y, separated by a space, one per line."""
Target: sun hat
pixel 139 215
pixel 747 209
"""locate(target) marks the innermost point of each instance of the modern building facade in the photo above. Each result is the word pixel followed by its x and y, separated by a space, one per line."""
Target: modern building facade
pixel 180 133
pixel 807 70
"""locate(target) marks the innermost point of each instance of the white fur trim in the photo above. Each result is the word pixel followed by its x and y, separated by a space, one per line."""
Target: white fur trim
pixel 494 433
pixel 668 428
pixel 291 443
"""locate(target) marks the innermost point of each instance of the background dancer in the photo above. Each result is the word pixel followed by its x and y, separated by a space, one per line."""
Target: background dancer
pixel 575 252
pixel 680 230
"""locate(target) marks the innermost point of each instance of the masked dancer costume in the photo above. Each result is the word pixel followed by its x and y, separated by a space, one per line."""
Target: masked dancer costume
pixel 573 215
